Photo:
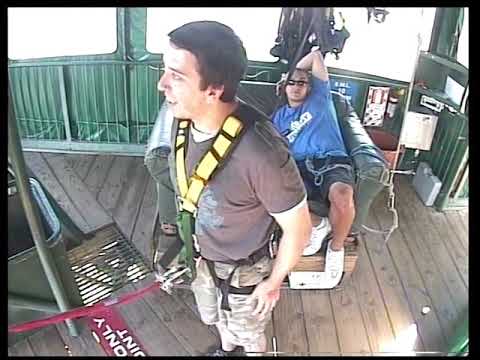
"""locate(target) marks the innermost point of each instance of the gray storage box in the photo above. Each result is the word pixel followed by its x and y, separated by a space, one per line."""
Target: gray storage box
pixel 426 184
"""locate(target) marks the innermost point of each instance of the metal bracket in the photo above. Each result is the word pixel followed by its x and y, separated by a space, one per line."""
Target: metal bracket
pixel 434 104
pixel 431 103
pixel 171 278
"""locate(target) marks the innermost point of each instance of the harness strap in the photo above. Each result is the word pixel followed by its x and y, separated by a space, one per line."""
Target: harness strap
pixel 224 285
pixel 191 188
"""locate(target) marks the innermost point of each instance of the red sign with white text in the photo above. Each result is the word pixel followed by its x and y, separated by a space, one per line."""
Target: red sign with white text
pixel 112 333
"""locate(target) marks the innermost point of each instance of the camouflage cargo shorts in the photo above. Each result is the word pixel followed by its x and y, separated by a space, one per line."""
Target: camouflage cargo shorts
pixel 241 327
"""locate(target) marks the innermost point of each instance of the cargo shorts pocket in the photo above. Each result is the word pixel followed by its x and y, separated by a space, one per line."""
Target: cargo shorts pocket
pixel 206 295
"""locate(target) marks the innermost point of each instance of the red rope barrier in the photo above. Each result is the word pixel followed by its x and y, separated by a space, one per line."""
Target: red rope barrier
pixel 82 311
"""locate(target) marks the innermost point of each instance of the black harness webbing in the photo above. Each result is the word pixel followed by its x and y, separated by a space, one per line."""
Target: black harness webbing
pixel 225 284
pixel 190 190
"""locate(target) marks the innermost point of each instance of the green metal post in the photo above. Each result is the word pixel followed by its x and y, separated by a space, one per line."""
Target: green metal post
pixel 32 215
pixel 33 304
pixel 459 342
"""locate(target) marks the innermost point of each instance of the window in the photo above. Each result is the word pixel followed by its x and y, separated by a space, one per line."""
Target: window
pixel 48 32
pixel 462 52
pixel 387 49
pixel 256 27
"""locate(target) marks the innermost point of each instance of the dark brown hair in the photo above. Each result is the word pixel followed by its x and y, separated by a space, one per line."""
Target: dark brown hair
pixel 219 52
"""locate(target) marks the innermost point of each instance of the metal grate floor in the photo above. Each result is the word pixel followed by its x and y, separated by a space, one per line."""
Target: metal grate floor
pixel 105 264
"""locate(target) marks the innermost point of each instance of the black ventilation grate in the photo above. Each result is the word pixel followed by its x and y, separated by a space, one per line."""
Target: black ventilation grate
pixel 104 264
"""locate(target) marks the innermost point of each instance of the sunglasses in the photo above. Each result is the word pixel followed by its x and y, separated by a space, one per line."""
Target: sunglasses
pixel 297 82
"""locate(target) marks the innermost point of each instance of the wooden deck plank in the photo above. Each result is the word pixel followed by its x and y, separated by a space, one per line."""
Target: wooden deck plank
pixel 372 305
pixel 464 217
pixel 440 254
pixel 21 348
pixel 71 159
pixel 304 323
pixel 316 262
pixel 81 164
pixel 428 326
pixel 395 299
pixel 181 321
pixel 457 252
pixel 351 331
pixel 142 231
pixel 290 325
pixel 457 240
pixel 91 210
pixel 131 196
pixel 419 239
pixel 114 182
pixel 82 345
pixel 458 226
pixel 45 175
pixel 95 178
pixel 319 323
pixel 149 328
pixel 189 300
pixel 48 342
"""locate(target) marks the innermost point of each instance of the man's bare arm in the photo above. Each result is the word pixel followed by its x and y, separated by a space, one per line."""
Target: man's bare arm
pixel 314 61
pixel 297 227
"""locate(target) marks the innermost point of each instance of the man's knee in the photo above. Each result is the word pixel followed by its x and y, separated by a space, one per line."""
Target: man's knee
pixel 341 197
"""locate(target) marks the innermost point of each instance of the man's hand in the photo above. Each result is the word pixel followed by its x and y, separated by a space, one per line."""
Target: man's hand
pixel 281 84
pixel 314 61
pixel 267 296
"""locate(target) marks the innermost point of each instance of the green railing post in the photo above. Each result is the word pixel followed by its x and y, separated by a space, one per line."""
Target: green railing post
pixel 459 342
pixel 33 217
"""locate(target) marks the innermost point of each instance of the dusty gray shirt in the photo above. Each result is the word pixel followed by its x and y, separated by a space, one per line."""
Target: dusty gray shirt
pixel 259 178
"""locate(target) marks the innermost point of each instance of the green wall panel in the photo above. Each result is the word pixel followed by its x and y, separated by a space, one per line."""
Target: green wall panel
pixel 96 103
pixel 37 102
pixel 145 100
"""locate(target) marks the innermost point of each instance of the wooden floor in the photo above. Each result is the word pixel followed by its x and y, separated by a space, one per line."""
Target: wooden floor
pixel 424 265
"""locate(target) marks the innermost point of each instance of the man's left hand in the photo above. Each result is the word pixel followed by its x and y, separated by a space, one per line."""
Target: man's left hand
pixel 267 296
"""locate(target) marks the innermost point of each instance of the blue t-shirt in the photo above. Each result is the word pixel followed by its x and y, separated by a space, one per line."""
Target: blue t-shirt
pixel 312 129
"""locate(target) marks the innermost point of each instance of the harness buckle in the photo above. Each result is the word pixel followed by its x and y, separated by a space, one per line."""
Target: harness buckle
pixel 273 246
pixel 186 205
pixel 196 246
pixel 169 278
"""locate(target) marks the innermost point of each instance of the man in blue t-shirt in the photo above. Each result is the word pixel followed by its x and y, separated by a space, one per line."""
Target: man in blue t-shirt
pixel 309 123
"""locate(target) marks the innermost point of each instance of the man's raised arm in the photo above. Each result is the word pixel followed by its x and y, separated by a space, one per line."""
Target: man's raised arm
pixel 314 61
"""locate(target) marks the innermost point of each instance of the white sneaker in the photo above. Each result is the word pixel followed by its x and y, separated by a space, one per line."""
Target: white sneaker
pixel 319 233
pixel 334 261
pixel 327 279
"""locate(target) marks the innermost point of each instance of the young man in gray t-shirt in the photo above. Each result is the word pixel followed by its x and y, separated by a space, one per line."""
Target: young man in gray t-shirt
pixel 258 184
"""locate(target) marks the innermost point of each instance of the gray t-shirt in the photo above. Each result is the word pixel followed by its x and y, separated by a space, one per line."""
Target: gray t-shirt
pixel 259 177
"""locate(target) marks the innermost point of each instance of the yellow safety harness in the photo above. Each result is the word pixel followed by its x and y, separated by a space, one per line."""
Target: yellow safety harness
pixel 191 188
